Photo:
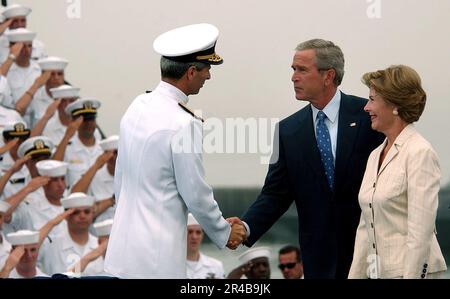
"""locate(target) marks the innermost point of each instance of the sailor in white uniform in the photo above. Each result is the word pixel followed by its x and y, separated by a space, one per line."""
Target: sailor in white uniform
pixel 57 125
pixel 27 265
pixel 200 266
pixel 64 251
pixel 18 13
pixel 156 179
pixel 46 208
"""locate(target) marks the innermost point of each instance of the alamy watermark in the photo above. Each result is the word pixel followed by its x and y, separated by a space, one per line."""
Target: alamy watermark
pixel 374 9
pixel 230 136
pixel 73 10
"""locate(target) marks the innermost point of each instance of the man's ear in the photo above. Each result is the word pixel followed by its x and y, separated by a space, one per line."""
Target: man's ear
pixel 191 72
pixel 330 75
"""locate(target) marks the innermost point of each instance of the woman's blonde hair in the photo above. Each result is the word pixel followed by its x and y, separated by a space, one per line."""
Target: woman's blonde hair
pixel 399 85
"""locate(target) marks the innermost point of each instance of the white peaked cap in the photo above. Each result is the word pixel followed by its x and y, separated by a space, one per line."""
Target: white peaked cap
pixel 52 63
pixel 192 220
pixel 192 43
pixel 254 253
pixel 35 145
pixel 23 237
pixel 52 168
pixel 20 35
pixel 77 200
pixel 110 143
pixel 16 10
pixel 65 92
pixel 103 228
pixel 83 106
pixel 4 206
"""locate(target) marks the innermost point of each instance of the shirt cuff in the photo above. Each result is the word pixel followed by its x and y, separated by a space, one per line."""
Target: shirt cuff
pixel 247 229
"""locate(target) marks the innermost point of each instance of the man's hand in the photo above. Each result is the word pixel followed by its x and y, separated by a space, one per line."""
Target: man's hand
pixel 16 49
pixel 8 146
pixel 72 128
pixel 43 78
pixel 238 233
pixel 103 158
pixel 37 183
pixel 51 109
pixel 57 220
pixel 19 163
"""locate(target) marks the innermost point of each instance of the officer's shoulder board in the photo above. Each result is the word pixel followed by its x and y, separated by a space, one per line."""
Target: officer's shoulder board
pixel 190 112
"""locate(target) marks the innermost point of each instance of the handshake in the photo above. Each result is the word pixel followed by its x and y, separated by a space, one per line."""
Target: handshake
pixel 238 233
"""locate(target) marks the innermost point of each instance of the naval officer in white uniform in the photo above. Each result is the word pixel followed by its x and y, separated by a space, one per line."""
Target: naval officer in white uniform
pixel 156 179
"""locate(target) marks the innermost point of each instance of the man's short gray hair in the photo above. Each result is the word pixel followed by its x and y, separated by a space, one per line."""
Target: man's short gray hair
pixel 175 70
pixel 328 56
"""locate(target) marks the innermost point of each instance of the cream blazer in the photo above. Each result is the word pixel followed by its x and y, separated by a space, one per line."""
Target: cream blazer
pixel 396 236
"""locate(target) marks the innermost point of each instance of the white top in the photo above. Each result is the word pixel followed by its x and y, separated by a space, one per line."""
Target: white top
pixel 102 187
pixel 205 267
pixel 63 253
pixel 80 158
pixel 42 211
pixel 155 184
pixel 39 105
pixel 39 273
pixel 20 79
pixel 5 92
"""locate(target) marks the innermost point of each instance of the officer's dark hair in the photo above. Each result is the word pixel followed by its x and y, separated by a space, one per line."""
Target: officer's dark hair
pixel 290 248
pixel 175 70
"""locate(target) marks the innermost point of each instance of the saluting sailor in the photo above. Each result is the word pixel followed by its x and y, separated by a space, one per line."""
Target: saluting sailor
pixel 156 179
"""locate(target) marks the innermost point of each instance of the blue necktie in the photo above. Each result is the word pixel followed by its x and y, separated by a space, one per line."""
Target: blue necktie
pixel 324 145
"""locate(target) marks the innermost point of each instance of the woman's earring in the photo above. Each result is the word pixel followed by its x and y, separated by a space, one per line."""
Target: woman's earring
pixel 395 112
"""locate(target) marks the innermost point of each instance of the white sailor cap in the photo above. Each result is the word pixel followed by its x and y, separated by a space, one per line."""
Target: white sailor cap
pixel 254 253
pixel 110 143
pixel 103 228
pixel 65 92
pixel 77 200
pixel 192 220
pixel 20 35
pixel 4 206
pixel 52 168
pixel 36 146
pixel 85 107
pixel 192 43
pixel 23 237
pixel 16 10
pixel 52 63
pixel 16 130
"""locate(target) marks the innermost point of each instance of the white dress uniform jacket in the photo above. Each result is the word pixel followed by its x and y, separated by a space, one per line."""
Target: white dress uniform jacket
pixel 42 211
pixel 205 267
pixel 5 249
pixel 156 182
pixel 396 235
pixel 39 105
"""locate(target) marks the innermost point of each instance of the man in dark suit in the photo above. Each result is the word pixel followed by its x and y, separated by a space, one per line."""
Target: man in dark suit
pixel 322 154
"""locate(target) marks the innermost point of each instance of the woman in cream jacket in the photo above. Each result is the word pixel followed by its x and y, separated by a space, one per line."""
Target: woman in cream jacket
pixel 396 237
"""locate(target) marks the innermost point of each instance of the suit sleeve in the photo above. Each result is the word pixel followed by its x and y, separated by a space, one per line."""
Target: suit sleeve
pixel 189 175
pixel 358 269
pixel 423 179
pixel 275 197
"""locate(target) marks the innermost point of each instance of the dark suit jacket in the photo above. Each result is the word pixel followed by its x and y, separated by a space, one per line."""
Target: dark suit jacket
pixel 327 219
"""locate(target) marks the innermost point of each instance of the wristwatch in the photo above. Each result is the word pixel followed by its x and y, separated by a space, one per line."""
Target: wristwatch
pixel 12 57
